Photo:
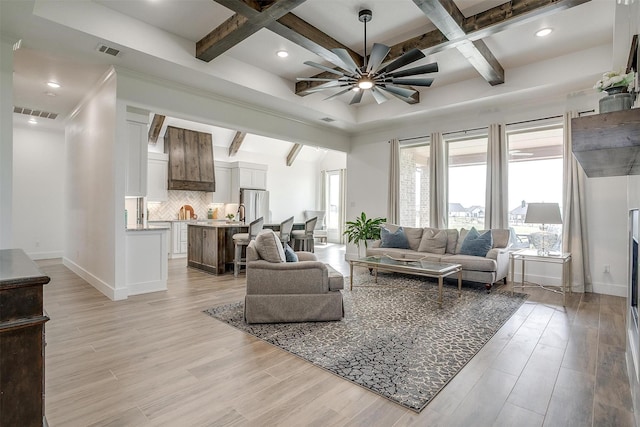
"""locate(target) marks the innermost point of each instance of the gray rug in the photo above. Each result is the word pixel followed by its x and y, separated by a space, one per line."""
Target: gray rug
pixel 393 340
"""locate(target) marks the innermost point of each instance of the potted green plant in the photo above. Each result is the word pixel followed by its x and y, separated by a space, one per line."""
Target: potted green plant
pixel 363 229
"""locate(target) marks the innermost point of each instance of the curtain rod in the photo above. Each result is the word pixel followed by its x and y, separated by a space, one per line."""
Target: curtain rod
pixel 485 127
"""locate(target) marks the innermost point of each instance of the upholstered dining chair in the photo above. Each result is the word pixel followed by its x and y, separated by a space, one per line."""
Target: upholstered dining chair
pixel 240 242
pixel 305 237
pixel 285 230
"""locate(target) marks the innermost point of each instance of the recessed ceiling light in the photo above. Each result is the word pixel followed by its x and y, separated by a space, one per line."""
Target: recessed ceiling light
pixel 544 32
pixel 33 121
pixel 282 53
pixel 53 85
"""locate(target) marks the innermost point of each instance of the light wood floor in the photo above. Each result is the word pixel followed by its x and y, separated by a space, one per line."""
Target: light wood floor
pixel 156 359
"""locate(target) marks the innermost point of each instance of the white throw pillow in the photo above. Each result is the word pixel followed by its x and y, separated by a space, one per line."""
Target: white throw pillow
pixel 433 241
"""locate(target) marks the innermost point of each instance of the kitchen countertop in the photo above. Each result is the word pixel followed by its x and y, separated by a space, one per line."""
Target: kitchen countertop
pixel 149 227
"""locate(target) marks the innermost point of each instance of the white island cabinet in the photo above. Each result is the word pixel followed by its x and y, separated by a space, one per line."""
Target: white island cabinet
pixel 147 264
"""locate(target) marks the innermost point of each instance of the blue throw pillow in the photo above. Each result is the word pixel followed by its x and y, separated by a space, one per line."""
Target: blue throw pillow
pixel 289 254
pixel 477 244
pixel 393 240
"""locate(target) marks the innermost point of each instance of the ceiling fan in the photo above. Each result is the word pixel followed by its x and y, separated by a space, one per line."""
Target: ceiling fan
pixel 381 80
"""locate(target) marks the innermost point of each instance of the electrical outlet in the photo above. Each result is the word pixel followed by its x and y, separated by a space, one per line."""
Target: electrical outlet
pixel 607 268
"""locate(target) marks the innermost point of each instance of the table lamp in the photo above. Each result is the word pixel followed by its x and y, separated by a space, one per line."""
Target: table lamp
pixel 544 213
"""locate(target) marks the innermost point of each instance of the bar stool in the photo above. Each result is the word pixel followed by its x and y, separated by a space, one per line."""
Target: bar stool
pixel 305 237
pixel 241 240
pixel 285 231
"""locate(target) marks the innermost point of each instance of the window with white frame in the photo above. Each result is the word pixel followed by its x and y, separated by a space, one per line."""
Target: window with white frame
pixel 535 176
pixel 467 166
pixel 414 185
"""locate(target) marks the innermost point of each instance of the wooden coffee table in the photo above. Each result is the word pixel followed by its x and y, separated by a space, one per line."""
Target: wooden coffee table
pixel 438 270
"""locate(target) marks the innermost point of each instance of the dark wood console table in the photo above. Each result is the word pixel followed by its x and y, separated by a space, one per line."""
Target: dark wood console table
pixel 22 320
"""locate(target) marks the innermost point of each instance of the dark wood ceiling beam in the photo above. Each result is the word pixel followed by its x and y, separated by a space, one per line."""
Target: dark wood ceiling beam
pixel 154 129
pixel 236 143
pixel 479 26
pixel 240 26
pixel 293 153
pixel 446 16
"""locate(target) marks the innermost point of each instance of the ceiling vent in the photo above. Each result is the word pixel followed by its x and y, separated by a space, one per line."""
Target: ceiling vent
pixel 108 50
pixel 327 119
pixel 35 113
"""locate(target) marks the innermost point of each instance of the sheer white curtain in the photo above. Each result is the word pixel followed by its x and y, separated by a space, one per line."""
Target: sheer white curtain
pixel 342 216
pixel 497 195
pixel 438 173
pixel 393 203
pixel 574 228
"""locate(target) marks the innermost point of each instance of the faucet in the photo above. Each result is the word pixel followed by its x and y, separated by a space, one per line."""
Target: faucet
pixel 241 213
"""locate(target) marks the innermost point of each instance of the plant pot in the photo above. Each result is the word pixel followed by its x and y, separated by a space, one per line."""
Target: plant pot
pixel 617 99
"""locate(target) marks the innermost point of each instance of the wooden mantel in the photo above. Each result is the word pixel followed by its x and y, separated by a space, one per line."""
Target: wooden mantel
pixel 608 144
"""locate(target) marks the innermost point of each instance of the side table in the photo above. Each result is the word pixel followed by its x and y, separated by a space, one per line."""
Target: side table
pixel 531 255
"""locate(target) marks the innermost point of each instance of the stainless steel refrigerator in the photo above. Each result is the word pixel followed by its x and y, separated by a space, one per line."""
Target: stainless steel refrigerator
pixel 256 204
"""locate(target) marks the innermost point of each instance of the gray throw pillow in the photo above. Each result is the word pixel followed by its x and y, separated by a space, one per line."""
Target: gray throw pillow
pixel 433 241
pixel 269 246
pixel 395 239
pixel 477 244
pixel 289 254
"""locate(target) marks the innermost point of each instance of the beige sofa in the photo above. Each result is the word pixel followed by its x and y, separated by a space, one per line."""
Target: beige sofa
pixel 278 291
pixel 488 269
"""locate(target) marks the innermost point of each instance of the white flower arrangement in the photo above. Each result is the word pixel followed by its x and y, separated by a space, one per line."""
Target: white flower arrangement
pixel 613 79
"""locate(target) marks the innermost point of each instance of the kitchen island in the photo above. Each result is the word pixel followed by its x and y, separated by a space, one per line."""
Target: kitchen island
pixel 210 244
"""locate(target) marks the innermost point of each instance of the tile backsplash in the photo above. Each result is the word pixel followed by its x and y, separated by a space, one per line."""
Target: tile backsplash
pixel 169 210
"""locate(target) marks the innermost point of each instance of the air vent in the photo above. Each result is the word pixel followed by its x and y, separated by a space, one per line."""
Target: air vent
pixel 108 50
pixel 327 119
pixel 35 113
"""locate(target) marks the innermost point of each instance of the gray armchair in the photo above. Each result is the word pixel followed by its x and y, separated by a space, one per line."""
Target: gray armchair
pixel 279 291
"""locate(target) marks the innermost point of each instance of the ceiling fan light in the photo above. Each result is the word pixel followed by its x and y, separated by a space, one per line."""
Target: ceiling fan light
pixel 355 89
pixel 365 83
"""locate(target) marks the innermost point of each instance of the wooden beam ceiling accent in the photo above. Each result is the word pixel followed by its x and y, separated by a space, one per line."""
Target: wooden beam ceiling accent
pixel 255 15
pixel 236 143
pixel 475 27
pixel 446 16
pixel 293 153
pixel 154 129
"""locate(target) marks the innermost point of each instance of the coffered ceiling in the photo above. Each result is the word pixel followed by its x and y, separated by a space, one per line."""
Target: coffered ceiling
pixel 486 49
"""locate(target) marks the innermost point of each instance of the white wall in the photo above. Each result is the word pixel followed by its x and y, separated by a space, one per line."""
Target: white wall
pixel 38 196
pixel 6 143
pixel 90 191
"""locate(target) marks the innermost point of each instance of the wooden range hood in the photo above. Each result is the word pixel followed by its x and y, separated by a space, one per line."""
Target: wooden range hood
pixel 190 160
pixel 608 144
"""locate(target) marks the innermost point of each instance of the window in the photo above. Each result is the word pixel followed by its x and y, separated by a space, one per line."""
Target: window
pixel 414 185
pixel 467 181
pixel 535 176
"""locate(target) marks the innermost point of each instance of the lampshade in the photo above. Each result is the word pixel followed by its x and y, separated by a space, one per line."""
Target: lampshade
pixel 543 213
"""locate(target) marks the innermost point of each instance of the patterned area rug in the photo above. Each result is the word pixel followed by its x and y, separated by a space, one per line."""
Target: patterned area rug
pixel 393 340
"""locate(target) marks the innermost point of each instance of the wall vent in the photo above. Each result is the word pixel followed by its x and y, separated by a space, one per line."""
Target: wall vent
pixel 36 113
pixel 108 50
pixel 327 119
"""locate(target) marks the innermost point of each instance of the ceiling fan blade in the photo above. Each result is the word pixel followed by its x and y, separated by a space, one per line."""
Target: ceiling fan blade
pixel 406 99
pixel 357 97
pixel 423 69
pixel 378 95
pixel 328 85
pixel 338 94
pixel 413 82
pixel 378 53
pixel 315 79
pixel 407 58
pixel 407 93
pixel 347 61
pixel 322 67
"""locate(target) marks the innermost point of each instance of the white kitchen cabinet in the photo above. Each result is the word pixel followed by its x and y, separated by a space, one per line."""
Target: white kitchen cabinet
pixel 247 175
pixel 136 140
pixel 157 177
pixel 223 183
pixel 179 239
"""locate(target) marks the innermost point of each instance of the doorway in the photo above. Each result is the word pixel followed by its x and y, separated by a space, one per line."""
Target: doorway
pixel 334 203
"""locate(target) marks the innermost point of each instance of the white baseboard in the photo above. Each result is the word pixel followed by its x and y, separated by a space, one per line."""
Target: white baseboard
pixel 45 255
pixel 105 288
pixel 610 289
pixel 146 287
